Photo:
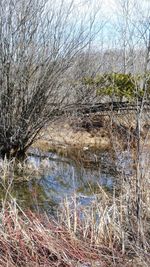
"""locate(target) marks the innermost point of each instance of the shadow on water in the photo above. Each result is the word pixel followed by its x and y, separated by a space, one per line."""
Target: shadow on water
pixel 62 177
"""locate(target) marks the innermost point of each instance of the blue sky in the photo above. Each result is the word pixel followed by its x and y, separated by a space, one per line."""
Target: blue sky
pixel 109 16
pixel 110 6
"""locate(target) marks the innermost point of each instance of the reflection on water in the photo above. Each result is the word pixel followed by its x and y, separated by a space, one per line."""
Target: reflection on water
pixel 61 177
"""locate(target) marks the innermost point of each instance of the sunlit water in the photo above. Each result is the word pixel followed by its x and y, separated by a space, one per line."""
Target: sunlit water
pixel 62 177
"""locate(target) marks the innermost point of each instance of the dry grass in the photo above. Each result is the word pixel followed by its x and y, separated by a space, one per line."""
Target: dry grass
pixel 111 221
pixel 113 231
pixel 102 234
pixel 63 134
pixel 105 233
pixel 19 171
pixel 27 239
pixel 72 136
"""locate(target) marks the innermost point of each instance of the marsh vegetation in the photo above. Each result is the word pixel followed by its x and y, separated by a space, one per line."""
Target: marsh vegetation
pixel 74 133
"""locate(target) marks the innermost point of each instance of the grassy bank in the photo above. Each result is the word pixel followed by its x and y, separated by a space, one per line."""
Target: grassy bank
pixel 106 233
pixel 103 234
pixel 112 231
pixel 92 132
pixel 75 133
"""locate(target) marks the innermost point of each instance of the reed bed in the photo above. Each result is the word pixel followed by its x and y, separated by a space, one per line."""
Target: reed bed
pixel 113 230
pixel 28 239
pixel 98 235
pixel 111 221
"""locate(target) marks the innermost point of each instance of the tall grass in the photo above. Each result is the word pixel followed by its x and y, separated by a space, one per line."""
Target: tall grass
pixel 114 230
pixel 111 221
pixel 119 221
pixel 101 234
pixel 27 239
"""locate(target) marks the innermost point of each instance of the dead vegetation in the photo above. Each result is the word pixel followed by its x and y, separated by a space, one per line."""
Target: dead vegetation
pixel 100 235
pixel 91 132
pixel 112 231
pixel 34 240
pixel 27 239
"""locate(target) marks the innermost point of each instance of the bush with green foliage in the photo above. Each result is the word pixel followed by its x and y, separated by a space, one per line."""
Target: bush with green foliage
pixel 118 85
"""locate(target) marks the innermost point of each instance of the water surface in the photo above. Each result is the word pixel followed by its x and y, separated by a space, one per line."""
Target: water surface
pixel 61 177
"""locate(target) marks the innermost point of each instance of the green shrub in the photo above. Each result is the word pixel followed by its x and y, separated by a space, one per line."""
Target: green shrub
pixel 118 85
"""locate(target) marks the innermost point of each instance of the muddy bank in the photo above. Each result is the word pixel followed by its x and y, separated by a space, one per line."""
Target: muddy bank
pixel 75 135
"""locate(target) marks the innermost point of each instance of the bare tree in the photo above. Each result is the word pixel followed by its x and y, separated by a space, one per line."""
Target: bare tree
pixel 136 46
pixel 38 42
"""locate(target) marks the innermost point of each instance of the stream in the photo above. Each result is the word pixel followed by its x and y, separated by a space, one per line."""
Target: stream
pixel 62 177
